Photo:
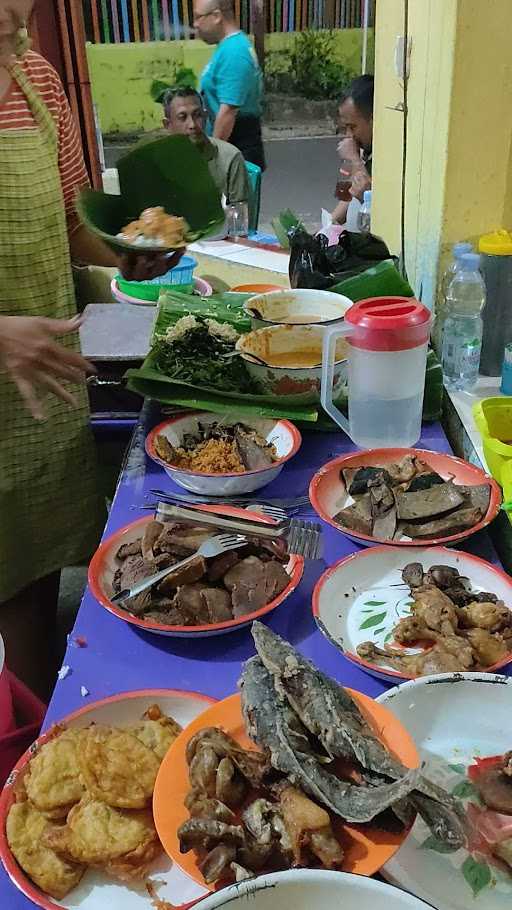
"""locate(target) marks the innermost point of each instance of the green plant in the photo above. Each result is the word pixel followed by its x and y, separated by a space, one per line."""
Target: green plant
pixel 182 77
pixel 310 69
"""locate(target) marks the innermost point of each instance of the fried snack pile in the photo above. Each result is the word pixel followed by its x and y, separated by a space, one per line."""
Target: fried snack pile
pixel 155 228
pixel 86 802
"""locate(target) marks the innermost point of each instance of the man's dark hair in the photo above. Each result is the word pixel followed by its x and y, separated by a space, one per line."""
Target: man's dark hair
pixel 180 91
pixel 360 91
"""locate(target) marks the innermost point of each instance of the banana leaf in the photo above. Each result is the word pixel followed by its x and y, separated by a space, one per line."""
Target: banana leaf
pixel 169 393
pixel 169 172
pixel 379 280
pixel 226 307
pixel 284 223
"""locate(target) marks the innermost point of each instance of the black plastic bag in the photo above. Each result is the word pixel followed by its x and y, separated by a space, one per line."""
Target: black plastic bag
pixel 314 264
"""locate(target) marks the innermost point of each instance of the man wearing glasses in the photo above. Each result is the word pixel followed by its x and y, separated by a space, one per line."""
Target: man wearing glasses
pixel 231 83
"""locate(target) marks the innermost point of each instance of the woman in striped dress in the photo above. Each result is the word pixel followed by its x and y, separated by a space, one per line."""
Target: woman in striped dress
pixel 50 514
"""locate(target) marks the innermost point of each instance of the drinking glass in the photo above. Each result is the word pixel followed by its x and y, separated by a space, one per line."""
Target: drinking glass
pixel 344 180
pixel 237 219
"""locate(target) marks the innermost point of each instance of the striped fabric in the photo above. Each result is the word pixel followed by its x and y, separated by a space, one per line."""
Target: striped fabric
pixel 15 114
pixel 49 502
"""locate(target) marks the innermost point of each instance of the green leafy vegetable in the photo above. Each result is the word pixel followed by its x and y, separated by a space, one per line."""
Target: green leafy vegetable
pixel 372 621
pixel 477 875
pixel 201 358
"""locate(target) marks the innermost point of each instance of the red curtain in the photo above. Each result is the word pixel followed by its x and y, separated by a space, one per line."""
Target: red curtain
pixel 58 33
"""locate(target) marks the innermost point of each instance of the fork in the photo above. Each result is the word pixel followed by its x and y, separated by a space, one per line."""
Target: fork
pixel 213 546
pixel 304 538
pixel 191 498
pixel 272 511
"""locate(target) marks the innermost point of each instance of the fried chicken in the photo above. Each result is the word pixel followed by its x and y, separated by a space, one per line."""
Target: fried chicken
pixel 435 609
pixel 117 767
pixel 488 649
pixel 25 829
pixel 491 616
pixel 446 656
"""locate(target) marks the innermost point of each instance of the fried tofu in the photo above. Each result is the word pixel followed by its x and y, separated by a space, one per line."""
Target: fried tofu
pixel 53 782
pixel 156 731
pixel 26 829
pixel 98 835
pixel 117 767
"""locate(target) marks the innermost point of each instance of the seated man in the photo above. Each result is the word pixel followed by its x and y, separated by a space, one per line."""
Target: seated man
pixel 185 115
pixel 355 149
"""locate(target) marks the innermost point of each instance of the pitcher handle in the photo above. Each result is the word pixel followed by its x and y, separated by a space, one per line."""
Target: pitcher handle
pixel 331 333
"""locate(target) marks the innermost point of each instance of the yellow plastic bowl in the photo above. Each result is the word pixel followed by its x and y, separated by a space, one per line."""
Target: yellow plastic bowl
pixel 493 418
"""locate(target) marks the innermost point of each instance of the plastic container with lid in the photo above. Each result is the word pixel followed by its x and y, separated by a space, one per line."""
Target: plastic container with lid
pixel 388 338
pixel 496 268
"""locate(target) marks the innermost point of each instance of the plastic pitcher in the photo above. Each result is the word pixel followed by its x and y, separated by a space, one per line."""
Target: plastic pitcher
pixel 388 339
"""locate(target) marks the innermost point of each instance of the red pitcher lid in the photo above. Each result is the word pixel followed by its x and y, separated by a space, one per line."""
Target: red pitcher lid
pixel 389 323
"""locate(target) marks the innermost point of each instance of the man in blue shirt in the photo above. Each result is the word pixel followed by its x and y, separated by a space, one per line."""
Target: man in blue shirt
pixel 231 83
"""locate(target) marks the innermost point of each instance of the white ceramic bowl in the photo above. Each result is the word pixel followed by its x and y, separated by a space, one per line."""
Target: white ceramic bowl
pixel 281 433
pixel 311 889
pixel 362 597
pixel 452 718
pixel 301 306
pixel 289 383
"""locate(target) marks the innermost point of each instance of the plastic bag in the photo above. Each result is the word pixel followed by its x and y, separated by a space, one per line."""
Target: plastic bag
pixel 315 264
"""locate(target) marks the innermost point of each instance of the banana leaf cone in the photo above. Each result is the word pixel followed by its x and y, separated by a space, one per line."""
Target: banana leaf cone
pixel 169 172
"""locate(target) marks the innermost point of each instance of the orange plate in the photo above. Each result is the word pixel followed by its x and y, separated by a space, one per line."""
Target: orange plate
pixel 366 848
pixel 327 490
pixel 256 288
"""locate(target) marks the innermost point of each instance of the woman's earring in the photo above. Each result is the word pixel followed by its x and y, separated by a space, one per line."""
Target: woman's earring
pixel 22 42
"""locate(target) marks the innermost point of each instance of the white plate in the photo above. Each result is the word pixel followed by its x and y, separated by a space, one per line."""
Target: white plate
pixel 305 889
pixel 96 891
pixel 452 718
pixel 362 597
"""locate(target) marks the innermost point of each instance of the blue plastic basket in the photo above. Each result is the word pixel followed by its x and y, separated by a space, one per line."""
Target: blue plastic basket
pixel 183 273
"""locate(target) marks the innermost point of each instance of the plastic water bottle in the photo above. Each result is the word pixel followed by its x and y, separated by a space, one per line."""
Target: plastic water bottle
pixel 365 213
pixel 462 335
pixel 458 251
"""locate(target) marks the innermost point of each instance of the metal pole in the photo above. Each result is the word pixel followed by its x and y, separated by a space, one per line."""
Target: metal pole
pixel 366 17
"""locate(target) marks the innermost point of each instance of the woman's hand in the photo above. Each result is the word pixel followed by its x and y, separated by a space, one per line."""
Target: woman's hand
pixel 138 266
pixel 36 362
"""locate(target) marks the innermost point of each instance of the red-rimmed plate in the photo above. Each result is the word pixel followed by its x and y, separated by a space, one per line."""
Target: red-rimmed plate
pixel 366 847
pixel 96 891
pixel 103 566
pixel 328 494
pixel 283 435
pixel 362 597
